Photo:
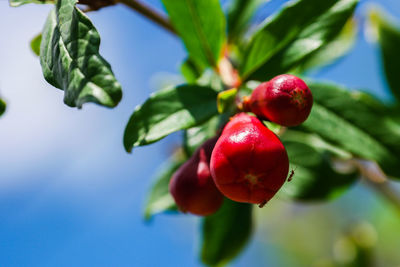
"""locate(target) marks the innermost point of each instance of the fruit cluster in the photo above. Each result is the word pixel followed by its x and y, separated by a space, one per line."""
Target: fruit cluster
pixel 247 163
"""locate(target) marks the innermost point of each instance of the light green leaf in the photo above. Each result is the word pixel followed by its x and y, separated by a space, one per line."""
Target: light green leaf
pixel 226 100
pixel 70 58
pixel 35 44
pixel 333 50
pixel 388 33
pixel 160 200
pixel 226 233
pixel 297 31
pixel 201 25
pixel 239 15
pixel 167 111
pixel 16 3
pixel 2 106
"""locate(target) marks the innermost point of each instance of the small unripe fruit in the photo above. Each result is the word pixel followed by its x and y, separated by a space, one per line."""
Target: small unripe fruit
pixel 192 186
pixel 285 100
pixel 249 163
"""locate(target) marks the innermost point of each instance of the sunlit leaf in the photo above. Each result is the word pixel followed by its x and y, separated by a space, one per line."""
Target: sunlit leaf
pixel 16 3
pixel 333 50
pixel 201 26
pixel 35 44
pixel 167 111
pixel 71 61
pixel 298 30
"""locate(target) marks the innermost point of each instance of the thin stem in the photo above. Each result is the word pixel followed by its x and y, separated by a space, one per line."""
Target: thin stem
pixel 149 13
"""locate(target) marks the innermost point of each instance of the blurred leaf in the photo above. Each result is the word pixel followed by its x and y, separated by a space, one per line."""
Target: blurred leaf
pixel 333 50
pixel 226 100
pixel 2 106
pixel 35 44
pixel 389 40
pixel 239 15
pixel 71 61
pixel 16 3
pixel 191 70
pixel 366 116
pixel 297 31
pixel 226 233
pixel 201 25
pixel 160 200
pixel 196 136
pixel 314 178
pixel 167 111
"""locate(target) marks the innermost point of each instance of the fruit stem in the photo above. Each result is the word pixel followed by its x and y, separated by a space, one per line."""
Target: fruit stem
pixel 377 179
pixel 149 13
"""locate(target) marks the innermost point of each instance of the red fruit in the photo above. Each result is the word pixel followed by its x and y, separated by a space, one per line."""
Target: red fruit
pixel 285 100
pixel 192 186
pixel 249 163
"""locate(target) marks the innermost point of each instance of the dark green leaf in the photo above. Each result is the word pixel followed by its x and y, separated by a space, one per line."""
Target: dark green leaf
pixel 314 177
pixel 167 111
pixel 35 44
pixel 333 50
pixel 389 41
pixel 160 200
pixel 297 31
pixel 201 25
pixel 239 15
pixel 71 61
pixel 191 70
pixel 342 119
pixel 16 3
pixel 196 136
pixel 2 106
pixel 226 233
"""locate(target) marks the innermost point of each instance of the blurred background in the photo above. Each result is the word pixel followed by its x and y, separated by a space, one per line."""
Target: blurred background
pixel 71 196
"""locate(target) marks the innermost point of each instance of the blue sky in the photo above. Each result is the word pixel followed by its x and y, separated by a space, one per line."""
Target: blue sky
pixel 69 193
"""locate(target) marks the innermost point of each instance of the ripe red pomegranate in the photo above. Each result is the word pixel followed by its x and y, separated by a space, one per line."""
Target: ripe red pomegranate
pixel 192 186
pixel 249 163
pixel 285 100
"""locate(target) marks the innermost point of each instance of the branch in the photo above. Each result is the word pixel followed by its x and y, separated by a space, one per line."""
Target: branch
pixel 377 179
pixel 149 13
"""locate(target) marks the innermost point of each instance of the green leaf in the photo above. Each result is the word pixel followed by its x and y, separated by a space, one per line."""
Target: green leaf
pixel 70 58
pixel 35 44
pixel 226 100
pixel 160 200
pixel 191 70
pixel 196 136
pixel 201 25
pixel 314 177
pixel 16 3
pixel 226 233
pixel 333 50
pixel 297 31
pixel 2 106
pixel 167 111
pixel 341 118
pixel 389 41
pixel 239 15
